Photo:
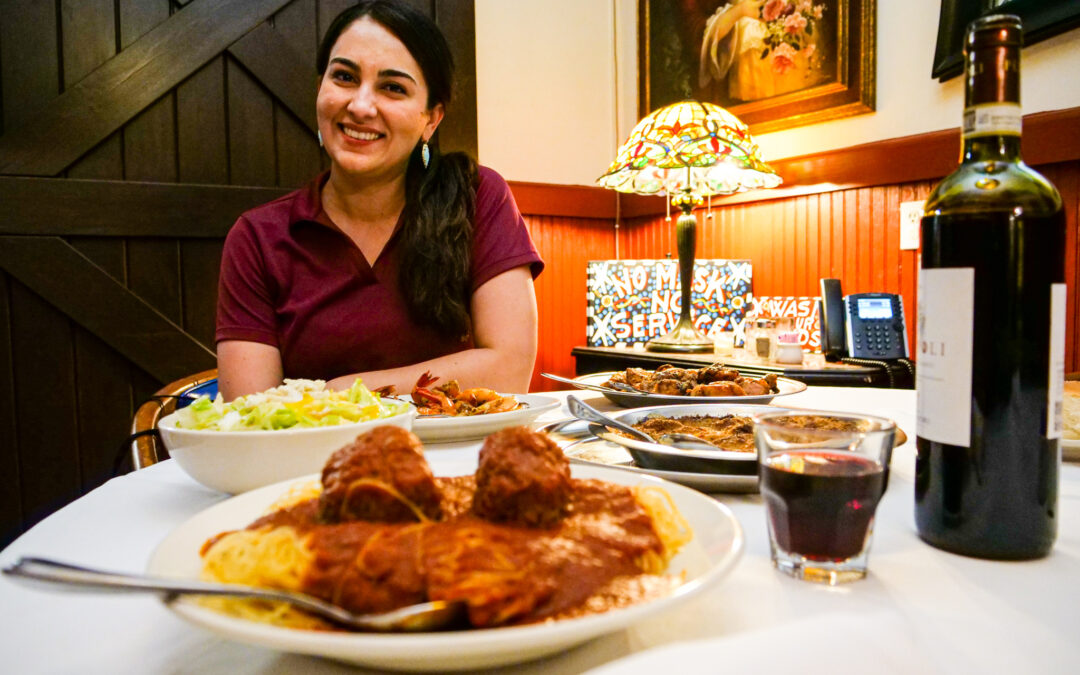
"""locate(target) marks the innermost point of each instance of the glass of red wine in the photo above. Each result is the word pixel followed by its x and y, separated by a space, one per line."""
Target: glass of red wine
pixel 822 475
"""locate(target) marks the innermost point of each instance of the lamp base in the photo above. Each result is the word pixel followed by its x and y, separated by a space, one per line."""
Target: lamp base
pixel 684 340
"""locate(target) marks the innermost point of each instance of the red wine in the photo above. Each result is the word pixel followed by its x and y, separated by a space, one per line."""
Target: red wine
pixel 991 328
pixel 820 504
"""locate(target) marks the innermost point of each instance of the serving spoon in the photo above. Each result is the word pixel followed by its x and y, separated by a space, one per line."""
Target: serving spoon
pixel 615 386
pixel 428 616
pixel 584 411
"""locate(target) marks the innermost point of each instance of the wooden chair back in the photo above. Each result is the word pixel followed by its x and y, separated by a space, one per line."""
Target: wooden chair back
pixel 146 445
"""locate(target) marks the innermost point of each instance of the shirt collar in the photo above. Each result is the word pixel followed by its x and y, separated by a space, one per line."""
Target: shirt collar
pixel 307 207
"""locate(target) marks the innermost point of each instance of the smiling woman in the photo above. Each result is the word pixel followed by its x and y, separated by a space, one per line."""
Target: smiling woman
pixel 396 261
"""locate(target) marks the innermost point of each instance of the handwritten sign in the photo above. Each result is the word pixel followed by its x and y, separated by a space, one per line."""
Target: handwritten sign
pixel 802 309
pixel 629 302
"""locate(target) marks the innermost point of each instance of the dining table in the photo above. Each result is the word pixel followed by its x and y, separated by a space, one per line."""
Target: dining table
pixel 919 609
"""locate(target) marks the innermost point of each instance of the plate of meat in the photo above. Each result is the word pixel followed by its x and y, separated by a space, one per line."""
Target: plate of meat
pixel 449 412
pixel 668 385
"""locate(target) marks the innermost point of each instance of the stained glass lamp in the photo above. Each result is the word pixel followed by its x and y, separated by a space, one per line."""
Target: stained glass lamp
pixel 687 151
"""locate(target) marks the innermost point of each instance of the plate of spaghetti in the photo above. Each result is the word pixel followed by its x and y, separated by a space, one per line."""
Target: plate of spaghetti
pixel 545 555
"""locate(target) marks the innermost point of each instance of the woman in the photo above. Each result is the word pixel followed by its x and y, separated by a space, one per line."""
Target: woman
pixel 398 260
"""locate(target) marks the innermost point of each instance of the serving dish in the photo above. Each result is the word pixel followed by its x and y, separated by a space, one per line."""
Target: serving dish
pixel 238 461
pixel 441 429
pixel 706 560
pixel 658 456
pixel 598 452
pixel 786 385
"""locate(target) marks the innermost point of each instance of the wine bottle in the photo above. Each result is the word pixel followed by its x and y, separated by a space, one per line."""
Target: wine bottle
pixel 991 327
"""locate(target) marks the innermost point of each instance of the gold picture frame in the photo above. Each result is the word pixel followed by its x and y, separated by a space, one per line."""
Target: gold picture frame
pixel 775 64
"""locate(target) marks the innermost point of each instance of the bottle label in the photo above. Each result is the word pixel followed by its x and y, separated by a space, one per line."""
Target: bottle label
pixel 992 119
pixel 946 341
pixel 1056 399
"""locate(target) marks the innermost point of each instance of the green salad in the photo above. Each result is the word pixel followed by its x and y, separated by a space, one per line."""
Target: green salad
pixel 292 405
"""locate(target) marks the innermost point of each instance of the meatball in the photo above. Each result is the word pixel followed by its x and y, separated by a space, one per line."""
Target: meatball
pixel 381 476
pixel 523 479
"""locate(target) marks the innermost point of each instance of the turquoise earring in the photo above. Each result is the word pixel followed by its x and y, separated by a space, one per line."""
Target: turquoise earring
pixel 319 135
pixel 425 154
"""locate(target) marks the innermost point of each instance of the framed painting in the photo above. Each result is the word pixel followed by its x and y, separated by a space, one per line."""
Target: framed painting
pixel 1041 20
pixel 775 64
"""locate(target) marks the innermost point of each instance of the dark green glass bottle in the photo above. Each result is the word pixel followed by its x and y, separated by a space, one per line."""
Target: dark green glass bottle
pixel 991 327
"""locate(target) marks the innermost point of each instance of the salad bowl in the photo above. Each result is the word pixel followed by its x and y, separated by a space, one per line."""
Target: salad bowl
pixel 213 447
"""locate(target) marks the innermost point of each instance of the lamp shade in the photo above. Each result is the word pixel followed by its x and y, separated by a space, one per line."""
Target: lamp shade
pixel 691 146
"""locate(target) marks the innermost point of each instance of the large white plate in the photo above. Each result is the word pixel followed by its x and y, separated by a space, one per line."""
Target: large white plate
pixel 629 400
pixel 598 452
pixel 708 558
pixel 444 429
pixel 1070 449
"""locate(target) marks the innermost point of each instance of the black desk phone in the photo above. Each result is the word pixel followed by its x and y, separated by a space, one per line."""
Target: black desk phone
pixel 861 325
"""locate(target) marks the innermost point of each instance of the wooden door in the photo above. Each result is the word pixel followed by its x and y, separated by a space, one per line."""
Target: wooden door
pixel 132 134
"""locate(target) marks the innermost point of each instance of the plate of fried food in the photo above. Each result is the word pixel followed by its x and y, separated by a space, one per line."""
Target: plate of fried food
pixel 448 412
pixel 542 554
pixel 635 387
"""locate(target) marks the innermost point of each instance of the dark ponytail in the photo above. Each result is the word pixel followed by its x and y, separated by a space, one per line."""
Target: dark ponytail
pixel 440 200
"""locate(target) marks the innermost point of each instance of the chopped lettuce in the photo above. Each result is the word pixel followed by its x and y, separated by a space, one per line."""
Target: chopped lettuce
pixel 294 404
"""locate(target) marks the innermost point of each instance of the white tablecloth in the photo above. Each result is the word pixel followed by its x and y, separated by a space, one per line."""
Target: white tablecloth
pixel 920 609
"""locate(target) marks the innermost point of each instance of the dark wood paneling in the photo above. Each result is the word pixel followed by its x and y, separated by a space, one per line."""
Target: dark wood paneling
pixel 457 19
pixel 139 17
pixel 29 60
pixel 89 29
pixel 61 131
pixel 47 206
pixel 99 303
pixel 252 156
pixel 268 57
pixel 296 24
pixel 11 511
pixel 200 260
pixel 202 150
pixel 299 155
pixel 47 440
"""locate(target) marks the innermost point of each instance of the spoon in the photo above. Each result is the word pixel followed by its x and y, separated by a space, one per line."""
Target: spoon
pixel 584 411
pixel 414 618
pixel 616 386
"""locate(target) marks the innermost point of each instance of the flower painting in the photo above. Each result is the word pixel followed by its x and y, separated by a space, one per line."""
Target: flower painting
pixel 773 63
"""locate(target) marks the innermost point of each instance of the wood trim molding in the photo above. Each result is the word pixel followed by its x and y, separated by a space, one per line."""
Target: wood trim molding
pixel 1049 137
pixel 81 117
pixel 112 208
pixel 102 305
pixel 568 201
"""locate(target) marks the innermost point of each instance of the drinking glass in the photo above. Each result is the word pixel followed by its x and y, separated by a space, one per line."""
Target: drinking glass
pixel 822 475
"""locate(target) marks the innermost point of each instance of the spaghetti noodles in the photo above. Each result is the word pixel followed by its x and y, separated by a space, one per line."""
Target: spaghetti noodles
pixel 610 549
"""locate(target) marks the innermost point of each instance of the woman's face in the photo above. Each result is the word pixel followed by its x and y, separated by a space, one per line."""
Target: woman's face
pixel 372 103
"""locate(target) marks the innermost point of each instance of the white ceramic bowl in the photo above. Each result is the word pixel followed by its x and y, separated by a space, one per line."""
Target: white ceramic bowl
pixel 238 461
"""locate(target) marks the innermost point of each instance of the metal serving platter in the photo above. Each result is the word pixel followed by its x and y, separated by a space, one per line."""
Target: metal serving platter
pixel 595 381
pixel 664 457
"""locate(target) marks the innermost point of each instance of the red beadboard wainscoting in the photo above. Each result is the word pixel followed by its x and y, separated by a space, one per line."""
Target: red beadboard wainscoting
pixel 837 215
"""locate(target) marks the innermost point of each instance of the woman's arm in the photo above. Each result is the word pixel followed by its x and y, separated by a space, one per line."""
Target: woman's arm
pixel 247 367
pixel 504 334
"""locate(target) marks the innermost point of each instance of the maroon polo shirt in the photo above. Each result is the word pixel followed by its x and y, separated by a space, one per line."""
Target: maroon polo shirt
pixel 290 278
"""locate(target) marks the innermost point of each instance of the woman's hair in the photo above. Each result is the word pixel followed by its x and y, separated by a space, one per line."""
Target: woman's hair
pixel 440 200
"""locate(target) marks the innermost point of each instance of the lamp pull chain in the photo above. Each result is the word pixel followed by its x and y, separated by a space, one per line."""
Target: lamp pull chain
pixel 668 202
pixel 708 213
